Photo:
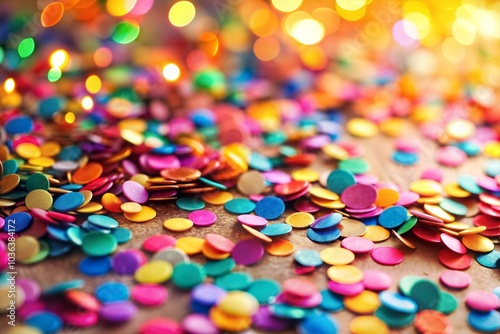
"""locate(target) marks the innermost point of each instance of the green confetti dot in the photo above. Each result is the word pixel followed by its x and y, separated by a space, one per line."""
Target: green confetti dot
pixel 26 47
pixel 2 55
pixel 125 32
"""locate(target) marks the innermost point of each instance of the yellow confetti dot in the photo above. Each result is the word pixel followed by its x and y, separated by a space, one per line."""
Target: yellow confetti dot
pixel 492 149
pixel 131 207
pixel 366 302
pixel 50 149
pixel 368 324
pixel 472 230
pixel 426 187
pixel 456 226
pixel 28 150
pixel 336 256
pixel 38 198
pixel 334 151
pixel 238 303
pixel 300 219
pixel 454 190
pixel 376 233
pixel 392 127
pixel 478 243
pixel 227 322
pixel 178 224
pixel 328 204
pixel 26 247
pixel 438 212
pixel 190 245
pixel 345 274
pixel 430 200
pixel 217 197
pixel 323 193
pixel 144 215
pixel 91 207
pixel 460 129
pixel 361 127
pixel 155 271
pixel 305 174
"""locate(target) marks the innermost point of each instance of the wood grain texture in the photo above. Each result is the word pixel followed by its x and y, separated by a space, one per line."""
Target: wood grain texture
pixel 422 261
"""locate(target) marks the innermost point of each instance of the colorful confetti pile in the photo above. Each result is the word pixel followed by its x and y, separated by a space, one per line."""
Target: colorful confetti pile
pixel 248 118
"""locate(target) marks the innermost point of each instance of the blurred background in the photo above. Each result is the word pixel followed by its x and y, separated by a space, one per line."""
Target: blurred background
pixel 425 50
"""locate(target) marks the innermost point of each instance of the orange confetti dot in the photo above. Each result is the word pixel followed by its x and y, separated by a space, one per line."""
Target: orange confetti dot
pixel 52 14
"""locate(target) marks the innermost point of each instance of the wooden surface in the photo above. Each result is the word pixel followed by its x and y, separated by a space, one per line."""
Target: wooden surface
pixel 422 261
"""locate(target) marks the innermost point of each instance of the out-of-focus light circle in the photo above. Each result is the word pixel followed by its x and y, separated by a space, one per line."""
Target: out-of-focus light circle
pixel 263 22
pixel 142 7
pixel 59 58
pixel 464 31
pixel 351 15
pixel 286 5
pixel 9 85
pixel 54 74
pixel 266 48
pixel 171 72
pixel 197 60
pixel 292 18
pixel 488 24
pixel 453 51
pixel 87 103
pixel 351 4
pixel 314 57
pixel 125 32
pixel 235 37
pixel 120 7
pixel 103 57
pixel 422 62
pixel 26 47
pixel 308 31
pixel 93 84
pixel 421 22
pixel 209 42
pixel 405 34
pixel 181 13
pixel 70 118
pixel 328 18
pixel 52 14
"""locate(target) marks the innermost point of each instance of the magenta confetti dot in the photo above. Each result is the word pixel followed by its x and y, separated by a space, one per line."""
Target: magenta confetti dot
pixel 199 323
pixel 79 318
pixel 247 252
pixel 388 256
pixel 118 312
pixel 455 279
pixel 359 196
pixel 149 294
pixel 450 156
pixel 407 198
pixel 156 242
pixel 453 243
pixel 346 289
pixel 488 183
pixel 376 280
pixel 432 174
pixel 159 162
pixel 305 205
pixel 308 302
pixel 481 300
pixel 358 245
pixel 202 217
pixel 252 220
pixel 135 192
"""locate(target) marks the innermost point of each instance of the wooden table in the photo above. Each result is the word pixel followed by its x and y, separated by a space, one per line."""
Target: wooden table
pixel 422 261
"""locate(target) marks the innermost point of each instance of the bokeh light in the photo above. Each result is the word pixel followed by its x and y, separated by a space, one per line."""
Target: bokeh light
pixel 308 31
pixel 103 57
pixel 52 14
pixel 125 32
pixel 120 7
pixel 59 59
pixel 171 72
pixel 266 48
pixel 9 85
pixel 286 5
pixel 26 47
pixel 93 84
pixel 181 13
